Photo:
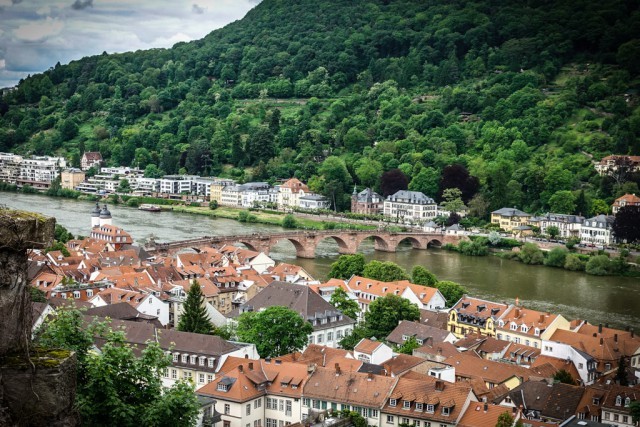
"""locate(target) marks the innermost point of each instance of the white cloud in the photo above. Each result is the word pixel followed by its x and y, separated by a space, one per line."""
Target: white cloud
pixel 2 63
pixel 39 30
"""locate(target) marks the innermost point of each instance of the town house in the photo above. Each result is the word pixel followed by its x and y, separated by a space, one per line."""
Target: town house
pixel 410 207
pixel 475 316
pixel 626 200
pixel 567 225
pixel 529 327
pixel 510 218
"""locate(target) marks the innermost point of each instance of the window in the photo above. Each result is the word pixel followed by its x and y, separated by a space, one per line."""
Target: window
pixel 389 419
pixel 288 410
pixel 222 387
pixel 209 378
pixel 329 336
pixel 211 359
pixel 271 422
pixel 174 374
pixel 201 378
pixel 201 361
pixel 316 404
pixel 184 358
pixel 186 375
pixel 175 357
pixel 305 401
pixel 430 408
pixel 320 338
pixel 270 403
pixel 392 402
pixel 418 406
pixel 281 406
pixel 193 359
pixel 226 424
pixel 618 401
pixel 405 421
pixel 514 326
pixel 227 408
pixel 627 401
pixel 406 404
pixel 248 409
pixel 90 292
pixel 446 410
pixel 373 413
pixel 257 404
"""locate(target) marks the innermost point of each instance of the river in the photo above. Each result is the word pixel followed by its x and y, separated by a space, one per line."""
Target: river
pixel 613 300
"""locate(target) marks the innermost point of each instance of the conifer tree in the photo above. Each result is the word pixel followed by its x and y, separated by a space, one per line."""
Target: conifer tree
pixel 194 318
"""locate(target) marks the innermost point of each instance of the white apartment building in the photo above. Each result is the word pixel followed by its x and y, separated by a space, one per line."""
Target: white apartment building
pixel 39 171
pixel 313 202
pixel 9 167
pixel 568 225
pixel 597 230
pixel 177 184
pixel 410 207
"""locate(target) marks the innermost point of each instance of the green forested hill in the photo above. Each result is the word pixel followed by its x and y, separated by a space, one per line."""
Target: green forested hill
pixel 521 94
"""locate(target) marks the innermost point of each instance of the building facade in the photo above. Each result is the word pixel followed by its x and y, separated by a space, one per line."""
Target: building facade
pixel 410 207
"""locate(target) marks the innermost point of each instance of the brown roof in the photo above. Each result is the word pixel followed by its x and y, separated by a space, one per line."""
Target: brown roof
pixel 436 319
pixel 479 308
pixel 532 319
pixel 421 332
pixel 490 371
pixel 402 363
pixel 556 400
pixel 92 155
pixel 367 346
pixel 354 388
pixel 438 393
pixel 482 414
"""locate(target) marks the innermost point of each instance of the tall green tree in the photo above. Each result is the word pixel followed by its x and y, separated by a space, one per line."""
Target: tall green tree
pixel 451 291
pixel 341 301
pixel 386 271
pixel 275 331
pixel 422 276
pixel 128 387
pixel 386 312
pixel 194 316
pixel 347 266
pixel 626 226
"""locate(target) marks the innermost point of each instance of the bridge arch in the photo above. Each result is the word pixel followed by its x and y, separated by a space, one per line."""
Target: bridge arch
pixel 299 247
pixel 343 246
pixel 416 243
pixel 248 245
pixel 434 243
pixel 379 243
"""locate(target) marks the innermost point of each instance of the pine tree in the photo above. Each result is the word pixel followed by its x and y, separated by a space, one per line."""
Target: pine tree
pixel 194 317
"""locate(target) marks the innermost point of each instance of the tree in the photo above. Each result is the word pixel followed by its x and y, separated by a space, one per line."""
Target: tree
pixel 384 271
pixel 451 291
pixel 352 339
pixel 574 263
pixel 347 266
pixel 556 257
pixel 213 205
pixel 385 313
pixel 194 316
pixel 129 388
pixel 275 331
pixel 564 377
pixel 341 301
pixel 530 254
pixel 457 176
pixel 422 276
pixel 563 202
pixel 553 231
pixel 408 346
pixel 505 420
pixel 124 186
pixel 62 234
pixel 289 221
pixel 598 265
pixel 626 225
pixel 621 373
pixel 393 181
pixel 599 206
pixel 634 410
pixel 453 200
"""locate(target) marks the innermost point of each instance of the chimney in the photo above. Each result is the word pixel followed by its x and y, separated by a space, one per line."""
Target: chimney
pixel 606 325
pixel 486 407
pixel 337 369
pixel 240 368
pixel 600 328
pixel 615 337
pixel 369 376
pixel 541 318
pixel 439 385
pixel 631 330
pixel 251 366
pixel 278 362
pixel 517 313
pixel 601 341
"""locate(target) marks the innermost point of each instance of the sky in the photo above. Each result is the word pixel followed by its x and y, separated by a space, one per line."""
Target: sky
pixel 35 34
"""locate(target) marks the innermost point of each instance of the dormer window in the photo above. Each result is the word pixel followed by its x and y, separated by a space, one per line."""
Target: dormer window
pixel 596 401
pixel 222 387
pixel 446 410
pixel 430 407
pixel 536 331
pixel 405 337
pixel 514 326
pixel 393 402
pixel 175 356
pixel 193 360
pixel 419 406
pixel 500 323
pixel 618 401
pixel 406 404
pixel 627 402
pixel 184 358
pixel 524 328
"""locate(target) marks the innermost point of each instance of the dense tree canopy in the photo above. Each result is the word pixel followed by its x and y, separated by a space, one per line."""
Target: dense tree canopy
pixel 626 226
pixel 462 95
pixel 347 266
pixel 275 331
pixel 385 313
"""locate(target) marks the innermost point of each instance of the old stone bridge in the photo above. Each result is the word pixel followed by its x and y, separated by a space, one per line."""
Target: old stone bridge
pixel 305 242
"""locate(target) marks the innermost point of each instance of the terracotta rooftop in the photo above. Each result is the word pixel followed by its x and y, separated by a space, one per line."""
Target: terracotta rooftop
pixel 483 414
pixel 367 346
pixel 423 333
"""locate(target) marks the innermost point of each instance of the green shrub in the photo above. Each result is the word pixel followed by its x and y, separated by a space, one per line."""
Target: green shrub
pixel 531 254
pixel 289 221
pixel 574 263
pixel 598 265
pixel 556 257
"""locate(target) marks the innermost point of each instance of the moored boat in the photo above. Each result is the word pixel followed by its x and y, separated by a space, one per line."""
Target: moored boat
pixel 150 208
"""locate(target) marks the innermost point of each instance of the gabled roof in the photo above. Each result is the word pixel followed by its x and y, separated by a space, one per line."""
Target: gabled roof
pixel 556 400
pixel 510 212
pixel 299 298
pixel 421 332
pixel 368 196
pixel 482 414
pixel 367 346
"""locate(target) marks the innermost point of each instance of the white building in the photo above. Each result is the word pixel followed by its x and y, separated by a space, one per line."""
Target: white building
pixel 410 207
pixel 313 202
pixel 597 230
pixel 39 171
pixel 177 184
pixel 10 167
pixel 568 225
pixel 584 363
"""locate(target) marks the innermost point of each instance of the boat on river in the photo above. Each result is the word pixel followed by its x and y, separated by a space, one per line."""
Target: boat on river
pixel 150 208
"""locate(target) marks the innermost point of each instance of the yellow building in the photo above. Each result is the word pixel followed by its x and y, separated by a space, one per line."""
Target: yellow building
pixel 510 218
pixel 216 189
pixel 71 178
pixel 475 316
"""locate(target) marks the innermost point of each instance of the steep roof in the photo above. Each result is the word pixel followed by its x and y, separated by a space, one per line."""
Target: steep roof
pixel 413 197
pixel 510 212
pixel 556 400
pixel 417 330
pixel 299 298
